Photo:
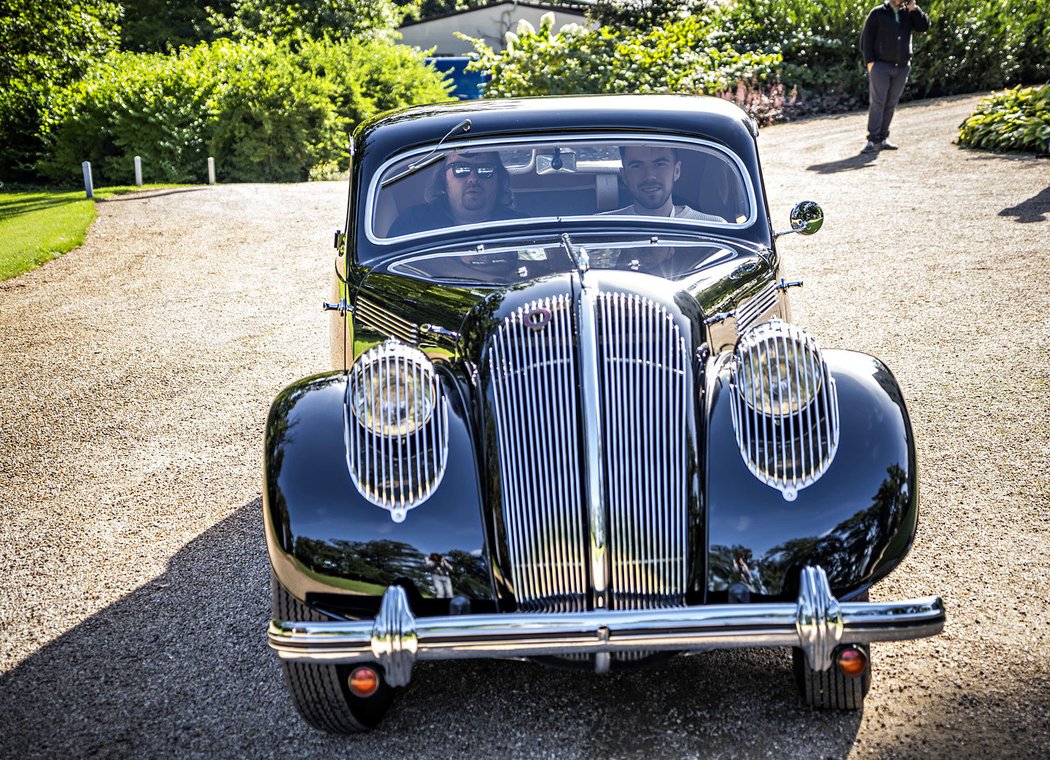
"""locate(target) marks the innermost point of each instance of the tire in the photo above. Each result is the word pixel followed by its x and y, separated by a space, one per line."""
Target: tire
pixel 320 692
pixel 830 689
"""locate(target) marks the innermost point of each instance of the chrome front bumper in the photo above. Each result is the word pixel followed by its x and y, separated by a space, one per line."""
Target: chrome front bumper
pixel 817 623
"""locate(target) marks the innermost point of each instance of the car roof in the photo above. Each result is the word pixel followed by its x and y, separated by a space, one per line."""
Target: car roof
pixel 685 115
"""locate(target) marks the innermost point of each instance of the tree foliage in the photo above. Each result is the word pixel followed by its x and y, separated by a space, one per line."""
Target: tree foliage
pixel 163 26
pixel 983 46
pixel 267 111
pixel 44 46
pixel 316 19
pixel 420 10
pixel 643 15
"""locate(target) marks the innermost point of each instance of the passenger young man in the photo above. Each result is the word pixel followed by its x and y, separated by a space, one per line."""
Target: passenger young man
pixel 649 172
pixel 885 44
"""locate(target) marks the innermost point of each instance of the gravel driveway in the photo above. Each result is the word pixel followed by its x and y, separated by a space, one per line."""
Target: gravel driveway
pixel 137 372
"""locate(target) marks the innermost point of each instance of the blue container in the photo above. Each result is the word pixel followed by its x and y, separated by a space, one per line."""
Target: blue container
pixel 466 85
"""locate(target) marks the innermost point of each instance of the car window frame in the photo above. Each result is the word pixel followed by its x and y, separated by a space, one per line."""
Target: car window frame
pixel 491 142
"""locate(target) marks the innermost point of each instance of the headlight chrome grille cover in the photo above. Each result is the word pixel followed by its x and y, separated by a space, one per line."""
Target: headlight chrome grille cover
pixel 395 427
pixel 784 407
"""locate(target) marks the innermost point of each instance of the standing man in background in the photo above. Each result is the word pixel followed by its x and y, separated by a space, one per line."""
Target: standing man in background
pixel 885 43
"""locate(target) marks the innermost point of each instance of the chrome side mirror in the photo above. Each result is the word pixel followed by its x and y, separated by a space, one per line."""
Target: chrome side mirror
pixel 806 218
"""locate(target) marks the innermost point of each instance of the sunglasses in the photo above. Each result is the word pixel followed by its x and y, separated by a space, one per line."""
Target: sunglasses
pixel 484 171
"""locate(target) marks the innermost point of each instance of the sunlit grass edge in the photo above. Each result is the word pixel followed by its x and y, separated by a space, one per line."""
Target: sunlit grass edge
pixel 37 226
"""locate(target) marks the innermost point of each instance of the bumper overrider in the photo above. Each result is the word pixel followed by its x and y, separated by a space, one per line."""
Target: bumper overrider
pixel 816 622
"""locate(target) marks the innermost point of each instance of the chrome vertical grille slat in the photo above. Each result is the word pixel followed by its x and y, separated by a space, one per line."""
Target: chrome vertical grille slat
pixel 533 381
pixel 645 367
pixel 645 389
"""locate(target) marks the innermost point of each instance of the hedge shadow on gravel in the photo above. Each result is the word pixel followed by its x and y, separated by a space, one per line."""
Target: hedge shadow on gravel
pixel 180 667
pixel 143 195
pixel 1035 209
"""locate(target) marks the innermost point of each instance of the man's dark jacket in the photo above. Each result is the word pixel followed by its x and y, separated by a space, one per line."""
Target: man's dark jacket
pixel 886 40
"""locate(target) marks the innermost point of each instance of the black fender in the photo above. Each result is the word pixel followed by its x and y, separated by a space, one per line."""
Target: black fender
pixel 857 521
pixel 332 548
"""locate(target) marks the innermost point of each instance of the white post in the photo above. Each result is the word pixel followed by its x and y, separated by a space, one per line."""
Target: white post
pixel 89 188
pixel 211 170
pixel 138 171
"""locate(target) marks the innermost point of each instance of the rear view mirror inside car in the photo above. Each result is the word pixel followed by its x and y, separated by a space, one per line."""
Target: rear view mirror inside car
pixel 559 161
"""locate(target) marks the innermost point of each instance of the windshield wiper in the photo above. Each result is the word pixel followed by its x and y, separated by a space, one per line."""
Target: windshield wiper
pixel 430 158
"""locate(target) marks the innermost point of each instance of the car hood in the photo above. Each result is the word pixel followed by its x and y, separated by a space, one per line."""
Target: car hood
pixel 453 317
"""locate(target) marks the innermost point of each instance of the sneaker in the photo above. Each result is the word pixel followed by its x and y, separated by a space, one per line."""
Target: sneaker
pixel 869 148
pixel 887 145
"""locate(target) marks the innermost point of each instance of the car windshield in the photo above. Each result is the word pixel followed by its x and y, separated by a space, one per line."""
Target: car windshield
pixel 615 178
pixel 671 257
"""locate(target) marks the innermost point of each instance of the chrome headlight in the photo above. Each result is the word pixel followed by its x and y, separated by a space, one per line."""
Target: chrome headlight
pixel 392 389
pixel 396 428
pixel 778 368
pixel 785 407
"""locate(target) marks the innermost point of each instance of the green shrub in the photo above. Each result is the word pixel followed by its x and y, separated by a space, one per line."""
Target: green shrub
pixel 791 56
pixel 371 76
pixel 982 46
pixel 265 111
pixel 818 41
pixel 679 57
pixel 132 104
pixel 696 55
pixel 269 120
pixel 1015 120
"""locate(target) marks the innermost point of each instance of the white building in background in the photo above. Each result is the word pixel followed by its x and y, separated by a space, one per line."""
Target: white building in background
pixel 490 23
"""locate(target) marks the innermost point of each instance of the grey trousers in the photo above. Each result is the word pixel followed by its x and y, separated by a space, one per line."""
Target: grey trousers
pixel 885 84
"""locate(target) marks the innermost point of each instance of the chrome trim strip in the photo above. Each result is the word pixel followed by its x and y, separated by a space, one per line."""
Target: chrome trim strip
pixel 750 312
pixel 401 639
pixel 430 329
pixel 375 316
pixel 594 462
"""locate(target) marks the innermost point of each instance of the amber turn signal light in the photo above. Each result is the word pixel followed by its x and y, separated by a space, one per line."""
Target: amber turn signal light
pixel 852 661
pixel 364 682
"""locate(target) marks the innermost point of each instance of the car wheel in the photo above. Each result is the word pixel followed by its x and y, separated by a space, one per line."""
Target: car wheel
pixel 321 693
pixel 831 689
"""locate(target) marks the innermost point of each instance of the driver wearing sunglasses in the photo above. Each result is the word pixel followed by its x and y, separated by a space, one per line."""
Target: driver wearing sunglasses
pixel 467 188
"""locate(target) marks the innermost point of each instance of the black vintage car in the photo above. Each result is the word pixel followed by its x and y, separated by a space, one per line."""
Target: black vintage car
pixel 570 420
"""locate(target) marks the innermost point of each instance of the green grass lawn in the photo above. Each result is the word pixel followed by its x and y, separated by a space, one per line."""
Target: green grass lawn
pixel 38 225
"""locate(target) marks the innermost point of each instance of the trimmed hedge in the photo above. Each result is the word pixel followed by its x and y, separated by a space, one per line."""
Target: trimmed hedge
pixel 265 111
pixel 1015 120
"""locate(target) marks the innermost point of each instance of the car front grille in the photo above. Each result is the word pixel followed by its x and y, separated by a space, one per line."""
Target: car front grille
pixel 644 399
